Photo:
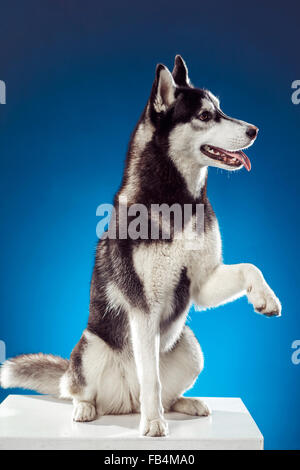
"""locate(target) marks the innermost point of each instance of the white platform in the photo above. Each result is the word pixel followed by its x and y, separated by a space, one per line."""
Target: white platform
pixel 43 422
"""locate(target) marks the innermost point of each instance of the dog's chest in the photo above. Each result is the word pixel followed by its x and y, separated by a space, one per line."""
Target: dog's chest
pixel 160 265
pixel 202 260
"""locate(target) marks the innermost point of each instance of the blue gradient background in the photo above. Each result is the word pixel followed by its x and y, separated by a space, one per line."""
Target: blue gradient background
pixel 78 75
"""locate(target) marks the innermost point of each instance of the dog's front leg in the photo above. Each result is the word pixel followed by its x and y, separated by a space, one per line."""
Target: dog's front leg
pixel 229 282
pixel 146 343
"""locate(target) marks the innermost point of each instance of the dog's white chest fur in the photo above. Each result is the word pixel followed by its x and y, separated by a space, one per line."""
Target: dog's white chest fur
pixel 205 258
pixel 159 266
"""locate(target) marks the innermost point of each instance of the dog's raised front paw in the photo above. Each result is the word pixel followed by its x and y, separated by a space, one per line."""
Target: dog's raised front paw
pixel 264 301
pixel 84 411
pixel 191 406
pixel 154 428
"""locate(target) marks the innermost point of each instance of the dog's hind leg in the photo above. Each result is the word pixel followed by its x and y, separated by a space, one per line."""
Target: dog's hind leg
pixel 191 406
pixel 81 381
pixel 179 369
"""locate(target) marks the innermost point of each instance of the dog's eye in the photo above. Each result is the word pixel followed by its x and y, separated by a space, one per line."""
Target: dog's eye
pixel 205 116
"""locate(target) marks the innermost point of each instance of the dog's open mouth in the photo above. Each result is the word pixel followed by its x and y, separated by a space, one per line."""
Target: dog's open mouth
pixel 233 159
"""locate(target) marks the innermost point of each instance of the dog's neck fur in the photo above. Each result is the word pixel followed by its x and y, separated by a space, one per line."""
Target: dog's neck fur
pixel 194 174
pixel 172 179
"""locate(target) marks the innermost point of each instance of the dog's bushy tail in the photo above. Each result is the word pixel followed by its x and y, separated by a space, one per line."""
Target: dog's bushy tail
pixel 39 372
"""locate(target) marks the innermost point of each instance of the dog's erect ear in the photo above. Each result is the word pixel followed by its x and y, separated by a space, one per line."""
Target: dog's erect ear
pixel 163 89
pixel 180 72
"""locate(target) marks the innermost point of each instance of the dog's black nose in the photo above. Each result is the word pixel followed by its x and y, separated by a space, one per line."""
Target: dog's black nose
pixel 252 132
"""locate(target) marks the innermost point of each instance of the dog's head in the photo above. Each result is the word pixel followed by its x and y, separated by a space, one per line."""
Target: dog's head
pixel 193 122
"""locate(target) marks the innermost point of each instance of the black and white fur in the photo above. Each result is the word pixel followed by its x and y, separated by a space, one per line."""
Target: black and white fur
pixel 137 354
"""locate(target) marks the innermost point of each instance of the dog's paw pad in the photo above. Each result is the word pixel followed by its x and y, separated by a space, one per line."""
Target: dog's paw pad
pixel 84 411
pixel 265 302
pixel 276 313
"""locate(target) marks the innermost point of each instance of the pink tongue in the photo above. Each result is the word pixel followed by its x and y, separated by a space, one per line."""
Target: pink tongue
pixel 242 157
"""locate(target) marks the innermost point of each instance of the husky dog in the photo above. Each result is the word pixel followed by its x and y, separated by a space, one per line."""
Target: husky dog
pixel 137 354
